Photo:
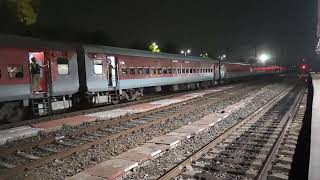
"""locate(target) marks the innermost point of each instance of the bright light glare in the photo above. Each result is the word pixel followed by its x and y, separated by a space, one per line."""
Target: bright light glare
pixel 264 57
pixel 182 52
pixel 188 51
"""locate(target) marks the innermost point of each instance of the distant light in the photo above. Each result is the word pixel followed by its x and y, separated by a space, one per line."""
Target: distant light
pixel 154 44
pixel 264 57
pixel 303 67
pixel 188 51
pixel 182 52
pixel 224 56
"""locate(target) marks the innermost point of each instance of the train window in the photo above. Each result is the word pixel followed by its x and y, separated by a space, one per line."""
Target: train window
pixel 140 71
pixel 194 70
pixel 169 70
pixel 146 70
pixel 187 71
pixel 15 71
pixel 174 71
pixel 179 71
pixel 124 71
pixel 63 66
pixel 183 70
pixel 164 70
pixel 159 70
pixel 97 66
pixel 132 71
pixel 191 70
pixel 153 71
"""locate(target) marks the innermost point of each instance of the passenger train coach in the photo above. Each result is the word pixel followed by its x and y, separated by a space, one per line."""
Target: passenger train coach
pixel 74 75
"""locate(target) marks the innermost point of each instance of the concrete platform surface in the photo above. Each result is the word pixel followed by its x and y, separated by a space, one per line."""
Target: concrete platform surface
pixel 106 115
pixel 167 140
pixel 193 129
pixel 103 171
pixel 314 164
pixel 9 135
pixel 151 149
pixel 57 124
pixel 84 176
pixel 135 156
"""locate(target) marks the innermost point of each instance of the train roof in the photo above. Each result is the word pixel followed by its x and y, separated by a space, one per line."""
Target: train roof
pixel 141 53
pixel 12 41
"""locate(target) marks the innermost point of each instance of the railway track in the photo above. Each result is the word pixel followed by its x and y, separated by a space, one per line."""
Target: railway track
pixel 17 160
pixel 258 147
pixel 100 108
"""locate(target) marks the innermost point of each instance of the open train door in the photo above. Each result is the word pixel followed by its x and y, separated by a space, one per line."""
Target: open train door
pixel 39 75
pixel 112 70
pixel 40 83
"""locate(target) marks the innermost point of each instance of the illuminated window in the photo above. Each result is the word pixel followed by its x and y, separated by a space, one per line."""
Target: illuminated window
pixel 140 71
pixel 153 71
pixel 132 71
pixel 146 70
pixel 124 71
pixel 164 70
pixel 15 71
pixel 63 66
pixel 97 66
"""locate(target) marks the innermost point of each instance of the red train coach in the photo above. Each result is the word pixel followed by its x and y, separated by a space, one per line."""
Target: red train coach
pixel 58 77
pixel 113 73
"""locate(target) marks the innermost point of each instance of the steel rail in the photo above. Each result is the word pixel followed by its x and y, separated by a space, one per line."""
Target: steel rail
pixel 44 160
pixel 289 116
pixel 105 124
pixel 205 149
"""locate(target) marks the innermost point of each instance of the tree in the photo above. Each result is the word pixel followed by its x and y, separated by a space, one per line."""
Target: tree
pixel 23 10
pixel 154 48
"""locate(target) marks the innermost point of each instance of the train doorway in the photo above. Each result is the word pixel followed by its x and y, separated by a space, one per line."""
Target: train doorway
pixel 37 72
pixel 112 70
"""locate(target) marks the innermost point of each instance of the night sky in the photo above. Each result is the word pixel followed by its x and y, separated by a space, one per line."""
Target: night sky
pixel 285 27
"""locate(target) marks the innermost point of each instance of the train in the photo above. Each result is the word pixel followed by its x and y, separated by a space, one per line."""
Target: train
pixel 74 75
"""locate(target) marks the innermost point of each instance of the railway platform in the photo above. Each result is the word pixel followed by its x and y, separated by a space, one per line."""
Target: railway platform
pixel 314 163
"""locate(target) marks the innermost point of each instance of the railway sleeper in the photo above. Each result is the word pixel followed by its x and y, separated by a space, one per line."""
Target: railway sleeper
pixel 247 149
pixel 283 160
pixel 279 167
pixel 6 165
pixel 48 150
pixel 255 163
pixel 67 144
pixel 256 140
pixel 287 153
pixel 249 173
pixel 277 176
pixel 256 137
pixel 242 156
pixel 268 143
pixel 27 156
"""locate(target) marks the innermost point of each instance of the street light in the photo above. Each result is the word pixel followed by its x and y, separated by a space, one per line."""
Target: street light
pixel 222 57
pixel 185 52
pixel 264 57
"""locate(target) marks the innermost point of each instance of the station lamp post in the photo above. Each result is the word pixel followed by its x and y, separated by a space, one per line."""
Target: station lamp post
pixel 263 58
pixel 185 52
